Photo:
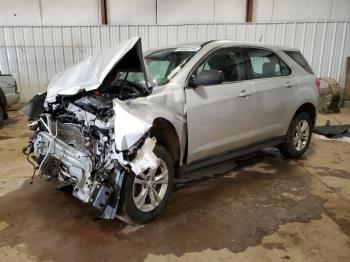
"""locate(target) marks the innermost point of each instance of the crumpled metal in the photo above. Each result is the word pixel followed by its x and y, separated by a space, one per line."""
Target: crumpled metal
pixel 89 74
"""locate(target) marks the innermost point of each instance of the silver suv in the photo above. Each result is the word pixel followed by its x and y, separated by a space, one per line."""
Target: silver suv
pixel 118 127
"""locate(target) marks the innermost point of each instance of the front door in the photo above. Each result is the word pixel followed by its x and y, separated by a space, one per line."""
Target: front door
pixel 220 117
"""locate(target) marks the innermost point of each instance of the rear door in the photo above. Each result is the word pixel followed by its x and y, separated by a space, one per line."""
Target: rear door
pixel 271 78
pixel 220 117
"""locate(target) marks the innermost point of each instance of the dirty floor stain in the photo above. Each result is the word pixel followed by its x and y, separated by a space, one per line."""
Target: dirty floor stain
pixel 260 207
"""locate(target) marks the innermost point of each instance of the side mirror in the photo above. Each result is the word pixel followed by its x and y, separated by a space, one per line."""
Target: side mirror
pixel 207 77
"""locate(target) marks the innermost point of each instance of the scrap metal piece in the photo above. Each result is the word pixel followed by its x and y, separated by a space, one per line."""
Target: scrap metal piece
pixel 111 207
pixel 103 195
pixel 130 127
pixel 145 157
pixel 330 95
pixel 66 186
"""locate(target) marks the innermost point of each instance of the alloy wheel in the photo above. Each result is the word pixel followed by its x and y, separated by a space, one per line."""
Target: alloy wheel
pixel 150 187
pixel 301 135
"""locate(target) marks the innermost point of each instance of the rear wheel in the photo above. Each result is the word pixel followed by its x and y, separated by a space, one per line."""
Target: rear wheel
pixel 144 195
pixel 298 137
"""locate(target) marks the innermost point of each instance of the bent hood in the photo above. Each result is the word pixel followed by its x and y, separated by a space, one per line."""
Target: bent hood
pixel 89 74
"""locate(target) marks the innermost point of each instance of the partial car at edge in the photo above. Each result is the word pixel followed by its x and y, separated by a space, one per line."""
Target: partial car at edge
pixel 8 95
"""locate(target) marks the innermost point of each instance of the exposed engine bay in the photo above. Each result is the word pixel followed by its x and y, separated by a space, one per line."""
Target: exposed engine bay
pixel 74 141
pixel 75 131
pixel 107 135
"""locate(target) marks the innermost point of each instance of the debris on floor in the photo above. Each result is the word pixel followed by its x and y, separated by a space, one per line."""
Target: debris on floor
pixel 333 132
pixel 3 225
pixel 293 197
pixel 260 207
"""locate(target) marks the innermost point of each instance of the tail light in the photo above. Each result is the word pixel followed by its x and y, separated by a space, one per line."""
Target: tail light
pixel 318 83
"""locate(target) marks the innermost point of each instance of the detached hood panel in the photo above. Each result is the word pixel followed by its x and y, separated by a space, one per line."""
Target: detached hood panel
pixel 89 74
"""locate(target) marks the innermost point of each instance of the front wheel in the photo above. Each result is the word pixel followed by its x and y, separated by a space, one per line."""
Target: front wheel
pixel 298 137
pixel 144 195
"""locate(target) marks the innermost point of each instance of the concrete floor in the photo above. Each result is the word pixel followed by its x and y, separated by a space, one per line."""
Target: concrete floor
pixel 257 208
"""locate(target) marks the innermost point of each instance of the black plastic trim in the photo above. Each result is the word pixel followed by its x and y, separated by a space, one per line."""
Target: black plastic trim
pixel 231 154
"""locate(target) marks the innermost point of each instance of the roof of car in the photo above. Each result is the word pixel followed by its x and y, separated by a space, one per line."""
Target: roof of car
pixel 250 43
pixel 214 43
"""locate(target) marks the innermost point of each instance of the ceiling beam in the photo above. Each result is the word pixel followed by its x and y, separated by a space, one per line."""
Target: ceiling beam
pixel 103 10
pixel 249 14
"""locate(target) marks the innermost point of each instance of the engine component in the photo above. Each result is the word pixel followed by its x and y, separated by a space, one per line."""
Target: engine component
pixel 77 145
pixel 98 105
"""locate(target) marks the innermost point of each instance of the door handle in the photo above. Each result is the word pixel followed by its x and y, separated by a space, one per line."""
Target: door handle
pixel 245 94
pixel 288 85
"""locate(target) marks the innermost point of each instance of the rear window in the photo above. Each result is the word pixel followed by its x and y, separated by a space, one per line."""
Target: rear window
pixel 299 59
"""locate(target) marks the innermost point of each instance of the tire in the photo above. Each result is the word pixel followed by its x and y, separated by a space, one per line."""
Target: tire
pixel 132 213
pixel 292 149
pixel 1 117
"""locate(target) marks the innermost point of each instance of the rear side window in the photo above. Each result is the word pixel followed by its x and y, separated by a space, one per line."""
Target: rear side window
pixel 300 59
pixel 265 64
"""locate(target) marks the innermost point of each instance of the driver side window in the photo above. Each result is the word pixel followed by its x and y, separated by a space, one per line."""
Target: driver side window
pixel 227 60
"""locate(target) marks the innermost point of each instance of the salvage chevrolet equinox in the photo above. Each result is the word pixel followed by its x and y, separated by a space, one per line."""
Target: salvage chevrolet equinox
pixel 118 127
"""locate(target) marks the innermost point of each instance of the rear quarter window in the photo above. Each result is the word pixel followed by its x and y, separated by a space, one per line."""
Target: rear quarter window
pixel 300 60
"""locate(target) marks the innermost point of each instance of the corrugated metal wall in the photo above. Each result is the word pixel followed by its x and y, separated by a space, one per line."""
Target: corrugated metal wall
pixel 35 54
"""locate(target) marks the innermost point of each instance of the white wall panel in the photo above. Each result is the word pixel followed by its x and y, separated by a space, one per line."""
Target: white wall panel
pixel 20 12
pixel 49 12
pixel 263 10
pixel 185 11
pixel 131 12
pixel 146 12
pixel 301 10
pixel 228 11
pixel 68 12
pixel 341 10
pixel 35 54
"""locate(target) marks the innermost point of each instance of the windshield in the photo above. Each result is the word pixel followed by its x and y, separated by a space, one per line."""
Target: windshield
pixel 164 64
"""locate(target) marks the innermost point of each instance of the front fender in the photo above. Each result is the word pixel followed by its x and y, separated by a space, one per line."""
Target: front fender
pixel 134 118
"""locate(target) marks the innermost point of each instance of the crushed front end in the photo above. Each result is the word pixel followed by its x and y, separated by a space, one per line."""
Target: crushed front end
pixel 92 131
pixel 74 141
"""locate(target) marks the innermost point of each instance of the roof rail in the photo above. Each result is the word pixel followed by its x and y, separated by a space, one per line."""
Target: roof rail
pixel 207 42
